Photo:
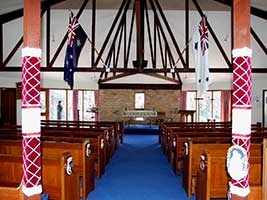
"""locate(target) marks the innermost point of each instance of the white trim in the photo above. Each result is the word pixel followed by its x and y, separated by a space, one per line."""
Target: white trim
pixel 242 52
pixel 242 192
pixel 32 191
pixel 28 51
pixel 244 126
pixel 31 120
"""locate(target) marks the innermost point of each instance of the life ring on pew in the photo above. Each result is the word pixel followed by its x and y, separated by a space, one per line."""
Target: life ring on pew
pixel 174 142
pixel 237 162
pixel 186 148
pixel 202 163
pixel 102 143
pixel 88 150
pixel 69 165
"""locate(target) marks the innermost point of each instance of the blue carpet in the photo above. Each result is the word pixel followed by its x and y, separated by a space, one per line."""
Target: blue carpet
pixel 139 171
pixel 137 129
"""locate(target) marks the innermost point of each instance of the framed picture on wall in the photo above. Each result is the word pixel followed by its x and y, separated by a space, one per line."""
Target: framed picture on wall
pixel 264 104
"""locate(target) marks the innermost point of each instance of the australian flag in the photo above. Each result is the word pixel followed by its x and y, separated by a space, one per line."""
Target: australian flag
pixel 76 41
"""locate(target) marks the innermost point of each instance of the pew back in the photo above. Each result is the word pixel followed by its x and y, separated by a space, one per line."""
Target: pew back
pixel 84 163
pixel 213 178
pixel 55 181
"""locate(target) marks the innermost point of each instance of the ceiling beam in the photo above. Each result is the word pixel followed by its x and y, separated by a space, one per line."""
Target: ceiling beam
pixel 122 70
pixel 253 10
pixel 140 86
pixel 4 18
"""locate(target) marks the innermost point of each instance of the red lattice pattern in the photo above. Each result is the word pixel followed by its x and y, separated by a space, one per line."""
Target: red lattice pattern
pixel 31 161
pixel 242 85
pixel 31 140
pixel 242 81
pixel 31 80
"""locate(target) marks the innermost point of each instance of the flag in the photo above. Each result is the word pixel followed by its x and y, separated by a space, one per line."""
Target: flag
pixel 201 45
pixel 76 41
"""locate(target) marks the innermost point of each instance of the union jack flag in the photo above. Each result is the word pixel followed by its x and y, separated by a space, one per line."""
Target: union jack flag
pixel 203 32
pixel 73 25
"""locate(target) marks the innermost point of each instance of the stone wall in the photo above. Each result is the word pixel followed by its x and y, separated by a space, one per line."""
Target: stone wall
pixel 113 102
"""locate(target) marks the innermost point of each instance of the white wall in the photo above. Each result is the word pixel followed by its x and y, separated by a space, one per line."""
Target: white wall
pixel 220 22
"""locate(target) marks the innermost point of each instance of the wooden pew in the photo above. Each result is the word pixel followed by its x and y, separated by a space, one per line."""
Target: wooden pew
pixel 97 140
pixel 81 153
pixel 171 133
pixel 103 152
pixel 191 159
pixel 174 144
pixel 118 126
pixel 59 185
pixel 179 148
pixel 106 134
pixel 212 177
pixel 168 128
pixel 192 126
pixel 174 147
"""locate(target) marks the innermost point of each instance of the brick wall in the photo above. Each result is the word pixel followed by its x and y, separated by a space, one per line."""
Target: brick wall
pixel 113 102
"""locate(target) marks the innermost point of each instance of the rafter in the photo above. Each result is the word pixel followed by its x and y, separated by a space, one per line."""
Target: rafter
pixel 10 16
pixel 253 10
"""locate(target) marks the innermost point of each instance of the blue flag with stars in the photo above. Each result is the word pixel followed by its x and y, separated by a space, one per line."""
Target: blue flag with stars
pixel 76 41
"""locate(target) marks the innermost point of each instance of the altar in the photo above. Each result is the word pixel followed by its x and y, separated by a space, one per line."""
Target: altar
pixel 139 116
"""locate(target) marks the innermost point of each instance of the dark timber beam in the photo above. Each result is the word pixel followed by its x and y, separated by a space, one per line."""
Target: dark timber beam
pixel 111 30
pixel 213 35
pixel 121 70
pixel 254 11
pixel 93 32
pixel 1 44
pixel 169 31
pixel 187 33
pixel 258 40
pixel 49 65
pixel 141 86
pixel 48 28
pixel 4 18
pixel 14 50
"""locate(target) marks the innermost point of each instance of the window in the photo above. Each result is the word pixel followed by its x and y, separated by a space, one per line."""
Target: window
pixel 43 104
pixel 84 105
pixel 207 107
pixel 56 96
pixel 139 100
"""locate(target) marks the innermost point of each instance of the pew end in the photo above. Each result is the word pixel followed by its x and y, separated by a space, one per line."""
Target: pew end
pixel 56 182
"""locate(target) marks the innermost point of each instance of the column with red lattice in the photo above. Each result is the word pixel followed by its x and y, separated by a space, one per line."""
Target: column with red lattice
pixel 238 153
pixel 31 118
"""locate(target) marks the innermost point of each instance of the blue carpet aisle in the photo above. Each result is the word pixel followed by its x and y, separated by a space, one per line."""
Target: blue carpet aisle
pixel 139 171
